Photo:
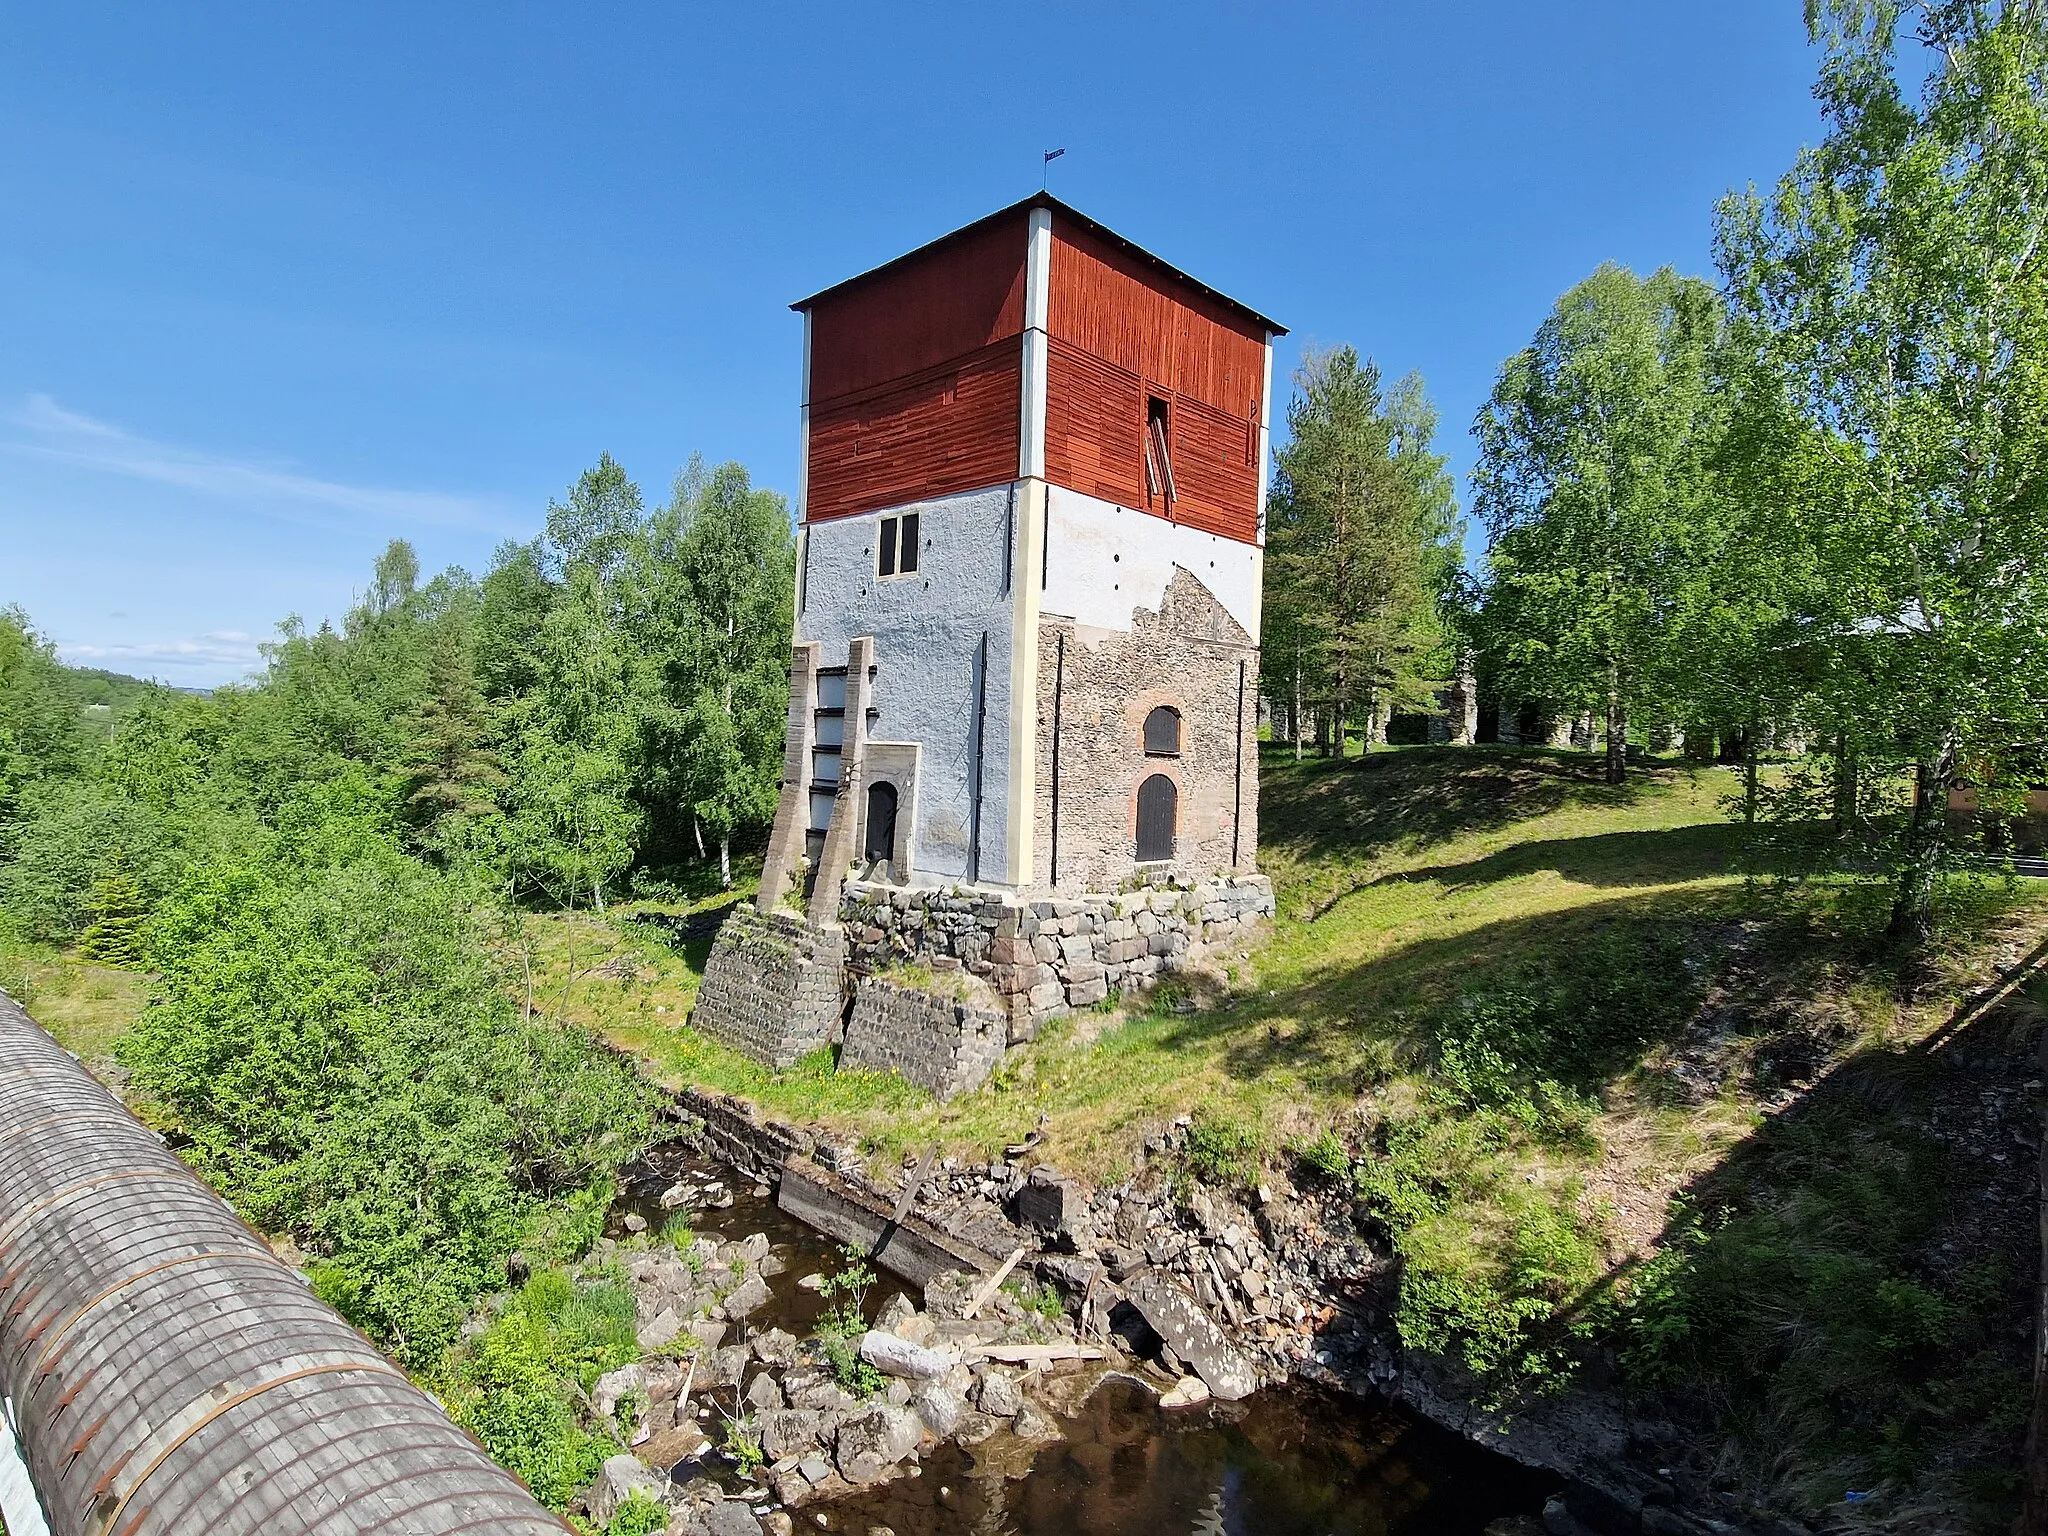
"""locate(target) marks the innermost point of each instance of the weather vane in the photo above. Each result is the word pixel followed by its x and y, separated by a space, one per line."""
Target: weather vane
pixel 1050 156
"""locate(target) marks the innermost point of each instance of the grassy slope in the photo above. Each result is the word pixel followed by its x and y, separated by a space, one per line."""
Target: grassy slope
pixel 1398 876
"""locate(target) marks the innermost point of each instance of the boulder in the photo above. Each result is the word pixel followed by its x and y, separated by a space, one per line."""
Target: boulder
pixel 753 1250
pixel 999 1397
pixel 1193 1336
pixel 789 1432
pixel 1030 1423
pixel 874 1440
pixel 616 1481
pixel 731 1517
pixel 775 1347
pixel 707 1332
pixel 940 1407
pixel 750 1295
pixel 729 1364
pixel 658 1332
pixel 613 1385
pixel 1188 1392
pixel 764 1392
pixel 897 1309
pixel 899 1357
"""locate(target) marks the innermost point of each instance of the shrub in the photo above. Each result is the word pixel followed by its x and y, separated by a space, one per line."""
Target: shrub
pixel 1221 1150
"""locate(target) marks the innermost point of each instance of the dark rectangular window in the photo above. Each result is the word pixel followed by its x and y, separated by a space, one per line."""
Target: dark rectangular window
pixel 897 555
pixel 1158 463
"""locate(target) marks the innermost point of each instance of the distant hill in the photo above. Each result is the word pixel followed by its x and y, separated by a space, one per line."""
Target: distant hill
pixel 107 697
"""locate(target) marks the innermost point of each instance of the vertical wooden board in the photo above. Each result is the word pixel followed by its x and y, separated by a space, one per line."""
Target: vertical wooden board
pixel 1093 427
pixel 950 429
pixel 930 308
pixel 1137 316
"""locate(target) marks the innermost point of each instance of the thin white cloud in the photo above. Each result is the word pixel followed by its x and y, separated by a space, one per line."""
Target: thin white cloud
pixel 47 431
pixel 220 653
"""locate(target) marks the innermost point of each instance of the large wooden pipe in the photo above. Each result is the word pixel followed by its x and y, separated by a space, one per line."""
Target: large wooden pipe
pixel 169 1374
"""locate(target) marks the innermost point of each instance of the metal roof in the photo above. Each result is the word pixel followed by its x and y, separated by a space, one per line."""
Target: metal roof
pixel 1047 200
pixel 170 1376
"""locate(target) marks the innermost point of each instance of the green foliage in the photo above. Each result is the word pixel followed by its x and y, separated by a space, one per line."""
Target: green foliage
pixel 116 905
pixel 1222 1150
pixel 1595 487
pixel 1034 1296
pixel 1364 540
pixel 511 1386
pixel 1325 1155
pixel 640 1515
pixel 838 1331
pixel 1538 1042
pixel 334 1039
pixel 1490 1262
pixel 1888 295
pixel 1806 1282
pixel 74 834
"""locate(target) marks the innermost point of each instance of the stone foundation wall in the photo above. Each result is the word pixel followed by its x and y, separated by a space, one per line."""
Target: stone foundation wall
pixel 944 1045
pixel 1048 955
pixel 772 986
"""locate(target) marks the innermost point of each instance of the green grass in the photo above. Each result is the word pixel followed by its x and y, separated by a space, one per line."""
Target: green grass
pixel 1397 875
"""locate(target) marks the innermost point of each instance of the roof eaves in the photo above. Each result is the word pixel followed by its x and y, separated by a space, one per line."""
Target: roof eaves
pixel 1047 200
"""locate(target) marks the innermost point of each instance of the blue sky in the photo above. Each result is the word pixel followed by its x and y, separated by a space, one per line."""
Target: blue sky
pixel 278 284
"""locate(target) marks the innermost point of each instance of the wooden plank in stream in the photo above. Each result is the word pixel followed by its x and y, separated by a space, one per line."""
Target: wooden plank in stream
pixel 912 1248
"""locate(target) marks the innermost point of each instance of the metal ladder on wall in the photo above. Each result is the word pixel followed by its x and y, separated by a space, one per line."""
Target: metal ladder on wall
pixel 828 738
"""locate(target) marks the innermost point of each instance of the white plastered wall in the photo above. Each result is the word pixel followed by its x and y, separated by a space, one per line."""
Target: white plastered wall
pixel 1102 561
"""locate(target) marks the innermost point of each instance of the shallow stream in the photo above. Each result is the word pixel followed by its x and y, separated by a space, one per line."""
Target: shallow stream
pixel 1285 1462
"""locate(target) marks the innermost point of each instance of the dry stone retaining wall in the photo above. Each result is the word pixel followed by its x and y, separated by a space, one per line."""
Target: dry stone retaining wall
pixel 772 986
pixel 944 1045
pixel 1048 955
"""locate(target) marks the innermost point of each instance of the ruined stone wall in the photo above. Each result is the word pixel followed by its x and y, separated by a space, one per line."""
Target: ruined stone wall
pixel 771 988
pixel 1054 953
pixel 1186 655
pixel 942 1044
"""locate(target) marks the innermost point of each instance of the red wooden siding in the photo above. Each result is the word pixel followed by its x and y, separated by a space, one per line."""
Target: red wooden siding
pixel 934 307
pixel 1128 312
pixel 951 428
pixel 1122 331
pixel 1218 480
pixel 1094 417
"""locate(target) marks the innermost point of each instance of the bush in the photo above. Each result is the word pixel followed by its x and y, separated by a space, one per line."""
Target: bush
pixel 510 1386
pixel 1223 1151
pixel 336 1041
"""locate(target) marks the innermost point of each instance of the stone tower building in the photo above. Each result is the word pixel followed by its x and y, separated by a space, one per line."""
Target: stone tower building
pixel 1028 596
pixel 1032 514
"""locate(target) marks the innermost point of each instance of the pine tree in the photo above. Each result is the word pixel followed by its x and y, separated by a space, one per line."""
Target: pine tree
pixel 114 936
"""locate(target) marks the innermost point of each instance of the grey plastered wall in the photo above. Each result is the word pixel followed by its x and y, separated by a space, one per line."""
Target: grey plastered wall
pixel 927 630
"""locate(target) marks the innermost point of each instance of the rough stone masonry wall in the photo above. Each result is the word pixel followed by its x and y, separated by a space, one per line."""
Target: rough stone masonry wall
pixel 772 986
pixel 1186 655
pixel 942 1044
pixel 1054 953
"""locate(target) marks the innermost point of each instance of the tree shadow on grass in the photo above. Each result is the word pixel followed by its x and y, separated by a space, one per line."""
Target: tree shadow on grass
pixel 1853 1313
pixel 1320 820
pixel 1347 1027
pixel 1649 858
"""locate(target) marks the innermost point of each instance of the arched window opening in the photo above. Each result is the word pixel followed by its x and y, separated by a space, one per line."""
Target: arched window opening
pixel 1162 732
pixel 1158 810
pixel 880 843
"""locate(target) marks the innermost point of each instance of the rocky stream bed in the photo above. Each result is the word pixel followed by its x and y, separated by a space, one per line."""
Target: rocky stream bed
pixel 1162 1357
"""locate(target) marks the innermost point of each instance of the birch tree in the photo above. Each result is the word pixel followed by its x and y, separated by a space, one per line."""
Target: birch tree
pixel 1898 287
pixel 1593 484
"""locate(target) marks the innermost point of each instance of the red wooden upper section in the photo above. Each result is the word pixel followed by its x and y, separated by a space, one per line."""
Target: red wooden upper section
pixel 916 376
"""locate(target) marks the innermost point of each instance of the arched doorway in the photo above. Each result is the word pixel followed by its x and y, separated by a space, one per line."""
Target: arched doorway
pixel 1158 809
pixel 880 843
